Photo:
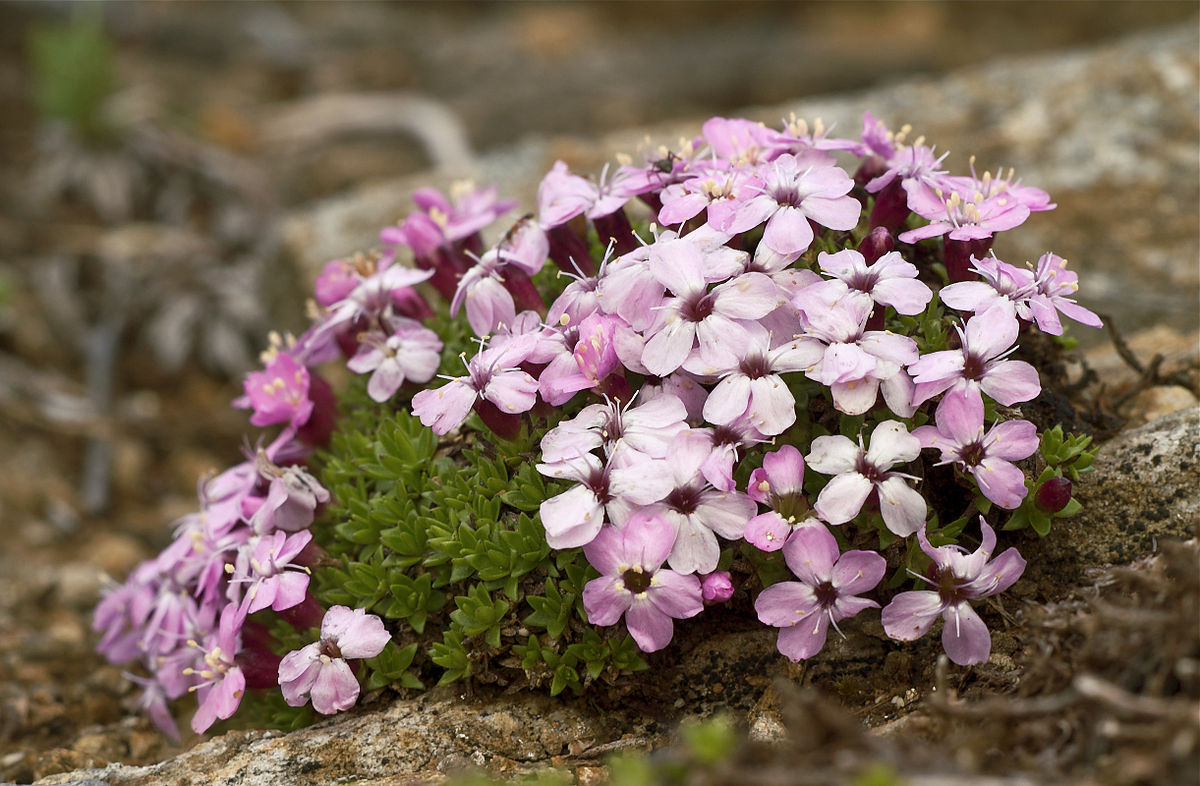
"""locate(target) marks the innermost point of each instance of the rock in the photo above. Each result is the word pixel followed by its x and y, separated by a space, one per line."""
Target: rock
pixel 1143 489
pixel 1160 400
pixel 1110 131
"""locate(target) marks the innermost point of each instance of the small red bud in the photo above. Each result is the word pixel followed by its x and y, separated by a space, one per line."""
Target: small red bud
pixel 1053 495
pixel 876 244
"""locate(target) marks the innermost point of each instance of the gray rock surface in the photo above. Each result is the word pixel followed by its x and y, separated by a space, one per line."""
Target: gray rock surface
pixel 1112 132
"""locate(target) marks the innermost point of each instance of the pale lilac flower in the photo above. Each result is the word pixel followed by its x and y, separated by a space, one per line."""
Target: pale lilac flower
pixel 266 570
pixel 561 196
pixel 793 194
pixel 1003 284
pixel 726 443
pixel 472 209
pixel 720 193
pixel 634 584
pixel 778 484
pixel 292 498
pixel 1054 286
pixel 716 587
pixel 852 361
pixel 411 353
pixel 153 701
pixel 824 595
pixel 860 471
pixel 750 383
pixel 607 490
pixel 980 362
pixel 337 280
pixel 489 304
pixel 797 138
pixel 525 246
pixel 647 428
pixel 890 280
pixel 740 142
pixel 320 669
pixel 957 579
pixel 492 375
pixel 222 682
pixel 698 511
pixel 373 297
pixel 694 314
pixel 585 364
pixel 960 436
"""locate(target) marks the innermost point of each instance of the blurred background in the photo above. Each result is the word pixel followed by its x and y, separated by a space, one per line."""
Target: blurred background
pixel 156 160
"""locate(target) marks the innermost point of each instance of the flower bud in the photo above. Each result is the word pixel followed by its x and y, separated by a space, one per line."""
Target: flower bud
pixel 1053 495
pixel 716 587
pixel 876 244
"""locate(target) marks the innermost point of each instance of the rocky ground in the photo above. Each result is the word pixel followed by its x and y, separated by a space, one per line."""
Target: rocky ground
pixel 1094 675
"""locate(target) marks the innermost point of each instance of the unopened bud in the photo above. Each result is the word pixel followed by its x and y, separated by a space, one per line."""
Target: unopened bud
pixel 1053 495
pixel 717 587
pixel 876 244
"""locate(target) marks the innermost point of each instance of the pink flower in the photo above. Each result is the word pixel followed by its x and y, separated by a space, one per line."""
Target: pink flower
pixel 890 280
pixel 793 193
pixel 824 595
pixel 716 587
pixel 607 490
pixel 778 484
pixel 859 472
pixel 960 436
pixel 699 511
pixel 223 683
pixel 411 353
pixel 492 375
pixel 957 578
pixel 320 669
pixel 264 569
pixel 1055 284
pixel 278 393
pixel 979 363
pixel 961 215
pixel 646 429
pixel 634 584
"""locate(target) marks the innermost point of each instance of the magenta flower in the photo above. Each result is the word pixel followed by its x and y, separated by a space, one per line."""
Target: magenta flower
pixel 320 669
pixel 222 682
pixel 824 595
pixel 795 191
pixel 979 363
pixel 957 578
pixel 859 472
pixel 634 584
pixel 960 436
pixel 961 216
pixel 411 353
pixel 278 393
pixel 716 587
pixel 778 484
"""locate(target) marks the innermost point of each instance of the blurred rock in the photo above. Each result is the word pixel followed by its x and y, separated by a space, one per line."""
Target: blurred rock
pixel 1161 400
pixel 1111 132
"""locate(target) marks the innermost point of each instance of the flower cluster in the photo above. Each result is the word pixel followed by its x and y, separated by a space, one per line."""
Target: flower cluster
pixel 747 348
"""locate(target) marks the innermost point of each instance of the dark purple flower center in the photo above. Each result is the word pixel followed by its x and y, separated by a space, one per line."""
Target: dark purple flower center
pixel 973 454
pixel 697 308
pixel 329 649
pixel 636 581
pixel 684 500
pixel 724 435
pixel 973 366
pixel 597 481
pixel 869 470
pixel 949 586
pixel 755 366
pixel 863 281
pixel 826 594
